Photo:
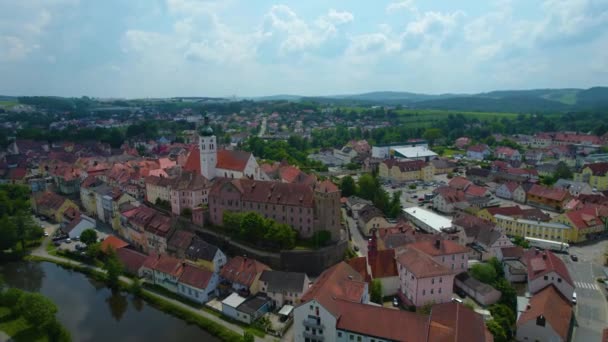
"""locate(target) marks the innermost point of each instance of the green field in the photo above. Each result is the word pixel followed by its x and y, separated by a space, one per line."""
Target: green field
pixel 18 328
pixel 8 104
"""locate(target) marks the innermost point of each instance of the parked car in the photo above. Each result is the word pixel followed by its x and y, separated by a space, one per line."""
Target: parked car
pixel 456 300
pixel 573 257
pixel 573 297
pixel 68 240
pixel 46 234
pixel 415 196
pixel 76 238
pixel 395 302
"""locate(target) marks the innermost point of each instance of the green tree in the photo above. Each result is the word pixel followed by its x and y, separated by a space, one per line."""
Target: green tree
pixel 58 333
pixel 562 171
pixel 8 234
pixel 509 295
pixel 368 186
pixel 252 226
pixel 136 287
pixel 89 236
pixel 93 250
pixel 113 267
pixel 497 266
pixel 348 186
pixel 432 134
pixel 497 331
pixel 11 297
pixel 485 273
pixel 38 310
pixel 376 291
pixel 26 229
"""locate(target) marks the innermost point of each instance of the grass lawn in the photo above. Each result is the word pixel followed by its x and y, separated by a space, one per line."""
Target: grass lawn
pixel 8 104
pixel 450 152
pixel 18 328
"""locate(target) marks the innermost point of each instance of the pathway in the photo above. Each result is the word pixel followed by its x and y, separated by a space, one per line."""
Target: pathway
pixel 41 252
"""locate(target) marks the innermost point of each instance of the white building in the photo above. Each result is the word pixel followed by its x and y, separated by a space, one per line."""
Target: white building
pixel 428 220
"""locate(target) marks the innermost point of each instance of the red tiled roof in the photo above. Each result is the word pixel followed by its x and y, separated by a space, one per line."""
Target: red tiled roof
pixel 476 190
pixel 507 151
pixel 165 264
pixel 450 195
pixel 193 162
pixel 598 169
pixel 477 148
pixel 195 276
pixel 586 217
pixel 512 252
pixel 181 240
pixel 550 304
pixel 359 264
pixel 271 192
pixel 49 200
pixel 444 247
pixel 506 211
pixel 451 322
pixel 132 260
pixel 459 183
pixel 337 282
pixel 384 323
pixel 421 264
pixel 511 186
pixel 242 270
pixel 17 173
pixel 326 186
pixel 383 265
pixel 113 242
pixel 542 262
pixel 549 193
pixel 232 160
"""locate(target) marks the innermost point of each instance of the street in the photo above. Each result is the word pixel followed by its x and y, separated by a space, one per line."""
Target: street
pixel 357 239
pixel 591 310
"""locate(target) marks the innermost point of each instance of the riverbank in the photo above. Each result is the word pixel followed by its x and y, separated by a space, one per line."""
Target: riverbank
pixel 214 325
pixel 17 328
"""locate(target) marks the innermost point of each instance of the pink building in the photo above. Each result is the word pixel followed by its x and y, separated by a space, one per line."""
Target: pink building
pixel 448 253
pixel 305 208
pixel 423 280
pixel 544 269
pixel 189 191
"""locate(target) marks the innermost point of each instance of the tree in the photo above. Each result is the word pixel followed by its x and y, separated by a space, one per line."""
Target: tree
pixel 113 267
pixel 497 331
pixel 562 171
pixel 38 310
pixel 136 287
pixel 89 236
pixel 321 237
pixel 26 229
pixel 368 186
pixel 93 250
pixel 8 234
pixel 376 291
pixel 497 266
pixel 10 297
pixel 432 134
pixel 485 273
pixel 348 186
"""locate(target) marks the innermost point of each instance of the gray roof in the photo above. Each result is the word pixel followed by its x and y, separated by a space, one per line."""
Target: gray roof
pixel 200 249
pixel 369 212
pixel 475 284
pixel 488 237
pixel 252 305
pixel 279 281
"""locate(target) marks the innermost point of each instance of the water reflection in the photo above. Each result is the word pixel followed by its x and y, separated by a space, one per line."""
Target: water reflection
pixel 92 312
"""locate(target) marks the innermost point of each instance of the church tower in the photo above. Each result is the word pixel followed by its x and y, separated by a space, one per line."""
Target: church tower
pixel 208 150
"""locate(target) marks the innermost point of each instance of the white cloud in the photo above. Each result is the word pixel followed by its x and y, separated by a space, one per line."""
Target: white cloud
pixel 401 5
pixel 13 48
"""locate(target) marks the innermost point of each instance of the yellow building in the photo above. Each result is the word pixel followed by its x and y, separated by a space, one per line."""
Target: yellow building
pixel 402 171
pixel 51 205
pixel 158 188
pixel 584 222
pixel 554 231
pixel 595 175
pixel 87 195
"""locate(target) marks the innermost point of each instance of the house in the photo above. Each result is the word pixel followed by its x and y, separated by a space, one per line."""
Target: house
pixel 507 153
pixel 131 260
pixel 586 223
pixel 370 217
pixel 574 188
pixel 52 205
pixel 283 288
pixel 197 284
pixel 243 274
pixel 383 267
pixel 595 174
pixel 112 243
pixel 206 255
pixel 491 242
pixel 514 226
pixel 544 269
pixel 305 208
pixel 354 204
pixel 157 232
pixel 512 191
pixel 450 254
pixel 459 183
pixel 483 294
pixel 134 222
pixel 547 198
pixel 158 188
pixel 489 214
pixel 87 196
pixel 346 154
pixel 478 175
pixel 548 317
pixel 163 270
pixel 404 171
pixel 443 166
pixel 422 279
pixel 515 271
pixel 447 199
pixel 79 225
pixel 179 242
pixel 246 310
pixel 478 152
pixel 188 191
pixel 462 142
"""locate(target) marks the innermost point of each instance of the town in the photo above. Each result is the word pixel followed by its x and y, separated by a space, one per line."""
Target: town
pixel 339 229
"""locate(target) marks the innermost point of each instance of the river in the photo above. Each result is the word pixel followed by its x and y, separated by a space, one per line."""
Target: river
pixel 93 312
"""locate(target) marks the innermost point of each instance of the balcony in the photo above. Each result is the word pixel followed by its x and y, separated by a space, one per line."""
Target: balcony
pixel 313 324
pixel 312 337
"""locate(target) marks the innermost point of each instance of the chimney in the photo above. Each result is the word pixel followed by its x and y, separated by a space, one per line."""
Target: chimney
pixel 437 243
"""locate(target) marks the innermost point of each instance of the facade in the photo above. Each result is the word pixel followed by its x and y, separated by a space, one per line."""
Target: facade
pixel 547 198
pixel 454 256
pixel 283 288
pixel 404 171
pixel 548 317
pixel 79 225
pixel 585 223
pixel 478 152
pixel 243 274
pixel 422 279
pixel 206 255
pixel 189 191
pixel 306 209
pixel 507 153
pixel 534 228
pixel 545 269
pixel 197 284
pixel 370 218
pixel 158 188
pixel 52 206
pixel 511 190
pixel 483 294
pixel 595 175
pixel 447 199
pixel 157 233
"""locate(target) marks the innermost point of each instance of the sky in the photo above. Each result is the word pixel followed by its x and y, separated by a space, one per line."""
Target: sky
pixel 166 48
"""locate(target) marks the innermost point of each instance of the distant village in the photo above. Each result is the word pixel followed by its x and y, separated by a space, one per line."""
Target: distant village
pixel 160 204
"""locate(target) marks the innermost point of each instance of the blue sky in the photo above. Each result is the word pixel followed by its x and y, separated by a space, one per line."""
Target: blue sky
pixel 163 48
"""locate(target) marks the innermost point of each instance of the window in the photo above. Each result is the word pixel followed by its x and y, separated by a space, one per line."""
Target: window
pixel 423 292
pixel 546 277
pixel 432 291
pixel 351 337
pixel 559 280
pixel 440 290
pixel 359 338
pixel 433 281
pixel 339 334
pixel 440 280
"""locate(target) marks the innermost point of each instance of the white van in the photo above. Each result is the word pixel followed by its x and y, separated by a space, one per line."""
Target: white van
pixel 573 297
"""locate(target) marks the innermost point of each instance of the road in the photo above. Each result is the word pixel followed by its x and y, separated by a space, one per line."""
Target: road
pixel 262 128
pixel 357 238
pixel 591 310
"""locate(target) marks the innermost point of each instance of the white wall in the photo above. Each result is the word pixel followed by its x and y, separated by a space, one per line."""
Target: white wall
pixel 540 283
pixel 535 332
pixel 301 313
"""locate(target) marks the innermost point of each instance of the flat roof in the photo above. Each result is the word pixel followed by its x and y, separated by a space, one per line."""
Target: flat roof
pixel 286 310
pixel 436 222
pixel 414 151
pixel 234 300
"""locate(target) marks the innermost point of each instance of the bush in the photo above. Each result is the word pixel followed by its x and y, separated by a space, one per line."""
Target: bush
pixel 10 297
pixel 485 273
